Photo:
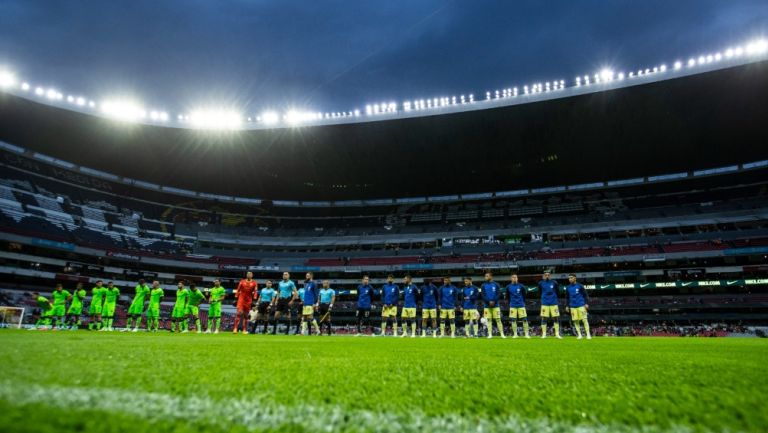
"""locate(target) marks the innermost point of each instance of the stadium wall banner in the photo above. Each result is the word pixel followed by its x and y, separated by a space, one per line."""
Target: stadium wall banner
pixel 746 250
pixel 679 284
pixel 417 266
pixel 621 274
pixel 53 244
pixel 124 256
pixel 496 265
pixel 301 268
pixel 234 267
pixel 263 268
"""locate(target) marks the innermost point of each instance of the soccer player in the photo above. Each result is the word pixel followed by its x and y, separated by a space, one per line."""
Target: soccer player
pixel 244 294
pixel 97 304
pixel 297 305
pixel 327 298
pixel 408 313
pixel 286 291
pixel 310 299
pixel 470 294
pixel 549 305
pixel 492 312
pixel 216 295
pixel 364 298
pixel 448 296
pixel 137 306
pixel 576 302
pixel 153 308
pixel 428 307
pixel 390 294
pixel 179 308
pixel 517 313
pixel 111 294
pixel 196 297
pixel 60 298
pixel 267 298
pixel 76 307
pixel 44 319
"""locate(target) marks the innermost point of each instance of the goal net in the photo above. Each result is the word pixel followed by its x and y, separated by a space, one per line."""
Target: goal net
pixel 11 317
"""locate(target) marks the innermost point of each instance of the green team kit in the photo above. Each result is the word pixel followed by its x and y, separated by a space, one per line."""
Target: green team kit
pixel 137 306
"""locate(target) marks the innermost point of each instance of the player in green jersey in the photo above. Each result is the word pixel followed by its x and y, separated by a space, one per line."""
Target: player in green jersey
pixel 111 294
pixel 60 298
pixel 97 302
pixel 76 307
pixel 137 306
pixel 179 308
pixel 196 297
pixel 45 306
pixel 215 296
pixel 153 309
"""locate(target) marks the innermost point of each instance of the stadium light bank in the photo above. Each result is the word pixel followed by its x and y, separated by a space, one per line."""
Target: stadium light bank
pixel 129 110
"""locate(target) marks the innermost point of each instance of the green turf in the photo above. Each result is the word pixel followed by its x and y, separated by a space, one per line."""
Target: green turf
pixel 89 382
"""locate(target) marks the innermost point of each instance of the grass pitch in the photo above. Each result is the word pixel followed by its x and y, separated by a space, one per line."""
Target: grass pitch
pixel 95 382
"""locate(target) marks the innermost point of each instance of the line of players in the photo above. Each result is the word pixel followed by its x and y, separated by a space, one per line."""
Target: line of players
pixel 436 304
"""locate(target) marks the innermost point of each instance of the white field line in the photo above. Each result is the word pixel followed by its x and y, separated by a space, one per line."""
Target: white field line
pixel 255 415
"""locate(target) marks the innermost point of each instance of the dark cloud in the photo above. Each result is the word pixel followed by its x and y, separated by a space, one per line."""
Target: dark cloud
pixel 336 55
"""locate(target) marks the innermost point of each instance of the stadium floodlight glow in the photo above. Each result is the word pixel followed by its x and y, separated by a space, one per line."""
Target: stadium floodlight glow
pixel 80 101
pixel 294 117
pixel 269 117
pixel 39 91
pixel 125 110
pixel 207 118
pixel 25 86
pixel 756 47
pixel 678 65
pixel 7 79
pixel 606 74
pixel 691 62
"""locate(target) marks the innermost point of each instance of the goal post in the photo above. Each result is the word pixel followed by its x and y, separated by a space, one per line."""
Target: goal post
pixel 11 317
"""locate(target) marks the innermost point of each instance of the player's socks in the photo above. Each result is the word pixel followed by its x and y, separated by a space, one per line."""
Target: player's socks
pixel 303 327
pixel 578 328
pixel 514 328
pixel 384 328
pixel 586 328
pixel 197 324
pixel 413 328
pixel 543 329
pixel 525 328
pixel 557 329
pixel 315 326
pixel 501 328
pixel 442 330
pixel 128 322
pixel 453 329
pixel 217 324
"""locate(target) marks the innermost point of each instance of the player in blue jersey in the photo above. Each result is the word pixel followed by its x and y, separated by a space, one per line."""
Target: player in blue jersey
pixel 448 296
pixel 327 298
pixel 469 295
pixel 429 297
pixel 390 295
pixel 516 295
pixel 410 301
pixel 310 299
pixel 364 304
pixel 549 305
pixel 491 292
pixel 286 292
pixel 577 303
pixel 267 297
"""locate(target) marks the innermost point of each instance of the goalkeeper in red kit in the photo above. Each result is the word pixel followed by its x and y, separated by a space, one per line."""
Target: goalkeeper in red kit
pixel 244 294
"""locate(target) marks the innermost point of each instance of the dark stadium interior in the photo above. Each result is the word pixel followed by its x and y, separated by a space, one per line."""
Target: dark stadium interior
pixel 706 120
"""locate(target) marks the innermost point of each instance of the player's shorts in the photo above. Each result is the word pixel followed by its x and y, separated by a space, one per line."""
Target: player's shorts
pixel 136 309
pixel 46 313
pixel 75 310
pixel 244 306
pixel 323 309
pixel 492 313
pixel 363 312
pixel 263 308
pixel 153 311
pixel 429 313
pixel 471 314
pixel 108 310
pixel 193 310
pixel 95 308
pixel 389 311
pixel 282 305
pixel 578 313
pixel 178 311
pixel 550 311
pixel 214 311
pixel 57 310
pixel 408 313
pixel 308 310
pixel 447 313
pixel 517 313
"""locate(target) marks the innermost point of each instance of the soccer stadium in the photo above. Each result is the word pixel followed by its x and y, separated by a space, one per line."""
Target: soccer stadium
pixel 587 252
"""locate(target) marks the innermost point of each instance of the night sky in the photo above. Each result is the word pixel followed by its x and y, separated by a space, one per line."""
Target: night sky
pixel 339 55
